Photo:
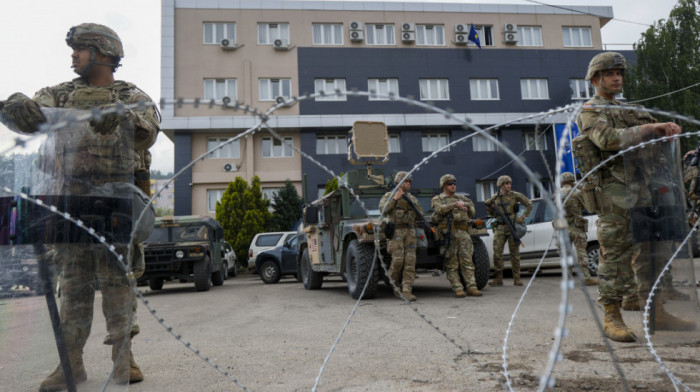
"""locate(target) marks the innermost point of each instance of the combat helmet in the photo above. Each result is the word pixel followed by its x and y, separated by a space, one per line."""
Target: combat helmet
pixel 604 61
pixel 567 177
pixel 99 37
pixel 445 179
pixel 502 180
pixel 400 175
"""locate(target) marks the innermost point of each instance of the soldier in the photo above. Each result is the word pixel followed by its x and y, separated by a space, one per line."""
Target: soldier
pixel 578 225
pixel 456 210
pixel 402 246
pixel 506 201
pixel 97 51
pixel 610 131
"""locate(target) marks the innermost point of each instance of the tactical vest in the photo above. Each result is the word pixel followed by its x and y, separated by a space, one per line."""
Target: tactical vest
pixel 404 214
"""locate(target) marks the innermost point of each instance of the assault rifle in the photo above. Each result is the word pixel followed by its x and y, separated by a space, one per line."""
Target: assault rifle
pixel 428 227
pixel 508 222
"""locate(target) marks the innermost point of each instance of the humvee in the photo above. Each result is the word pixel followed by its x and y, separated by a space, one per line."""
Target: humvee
pixel 188 248
pixel 338 235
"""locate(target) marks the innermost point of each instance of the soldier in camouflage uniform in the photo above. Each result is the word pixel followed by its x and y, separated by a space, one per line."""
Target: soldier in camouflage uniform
pixel 505 201
pixel 402 246
pixel 612 130
pixel 97 51
pixel 457 210
pixel 578 225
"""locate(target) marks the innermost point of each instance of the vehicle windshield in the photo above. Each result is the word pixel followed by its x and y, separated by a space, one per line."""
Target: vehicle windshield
pixel 372 205
pixel 193 232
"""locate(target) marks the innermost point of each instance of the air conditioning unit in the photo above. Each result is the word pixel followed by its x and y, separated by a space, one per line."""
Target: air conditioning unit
pixel 355 25
pixel 408 36
pixel 284 101
pixel 226 44
pixel 461 28
pixel 280 44
pixel 405 26
pixel 511 38
pixel 461 38
pixel 230 167
pixel 510 28
pixel 357 35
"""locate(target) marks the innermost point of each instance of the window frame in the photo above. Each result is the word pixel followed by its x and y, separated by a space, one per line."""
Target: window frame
pixel 481 143
pixel 337 139
pixel 529 96
pixel 371 35
pixel 575 89
pixel 219 140
pixel 437 136
pixel 485 31
pixel 270 88
pixel 485 185
pixel 540 142
pixel 390 82
pixel 224 33
pixel 531 29
pixel 227 88
pixel 336 28
pixel 422 35
pixel 397 138
pixel 281 34
pixel 331 95
pixel 219 192
pixel 478 88
pixel 284 147
pixel 579 30
pixel 441 87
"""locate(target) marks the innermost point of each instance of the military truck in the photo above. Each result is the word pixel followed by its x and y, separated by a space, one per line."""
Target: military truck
pixel 338 236
pixel 188 248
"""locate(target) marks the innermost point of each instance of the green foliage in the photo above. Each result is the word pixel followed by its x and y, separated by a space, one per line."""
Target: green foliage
pixel 667 60
pixel 287 205
pixel 243 213
pixel 332 185
pixel 158 175
pixel 162 211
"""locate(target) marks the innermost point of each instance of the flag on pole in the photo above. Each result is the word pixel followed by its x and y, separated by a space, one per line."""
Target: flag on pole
pixel 474 36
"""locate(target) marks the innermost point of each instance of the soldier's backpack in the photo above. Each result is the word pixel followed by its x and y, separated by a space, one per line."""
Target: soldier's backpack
pixel 588 156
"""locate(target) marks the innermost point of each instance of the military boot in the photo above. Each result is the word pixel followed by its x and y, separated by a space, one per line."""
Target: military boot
pixel 632 302
pixel 125 366
pixel 459 293
pixel 517 281
pixel 408 293
pixel 614 327
pixel 671 294
pixel 516 273
pixel 497 279
pixel 667 322
pixel 474 292
pixel 56 381
pixel 592 281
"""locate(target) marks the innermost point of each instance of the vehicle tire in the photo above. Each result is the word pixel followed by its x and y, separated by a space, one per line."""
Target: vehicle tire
pixel 359 271
pixel 234 272
pixel 155 283
pixel 270 272
pixel 224 268
pixel 202 275
pixel 311 279
pixel 217 278
pixel 482 265
pixel 593 252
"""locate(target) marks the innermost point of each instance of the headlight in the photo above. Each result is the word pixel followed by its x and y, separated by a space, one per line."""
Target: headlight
pixel 179 254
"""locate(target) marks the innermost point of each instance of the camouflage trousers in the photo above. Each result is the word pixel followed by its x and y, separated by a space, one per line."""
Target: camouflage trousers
pixel 403 257
pixel 79 265
pixel 580 241
pixel 649 262
pixel 459 258
pixel 501 234
pixel 616 276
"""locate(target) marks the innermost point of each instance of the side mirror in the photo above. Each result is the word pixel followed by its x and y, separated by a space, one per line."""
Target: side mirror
pixel 311 215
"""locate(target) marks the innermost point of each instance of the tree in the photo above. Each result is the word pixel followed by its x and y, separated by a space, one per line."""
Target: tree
pixel 332 184
pixel 158 175
pixel 667 61
pixel 287 205
pixel 243 213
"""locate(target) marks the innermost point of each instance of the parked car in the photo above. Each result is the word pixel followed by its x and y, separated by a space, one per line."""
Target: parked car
pixel 229 259
pixel 265 241
pixel 274 263
pixel 539 239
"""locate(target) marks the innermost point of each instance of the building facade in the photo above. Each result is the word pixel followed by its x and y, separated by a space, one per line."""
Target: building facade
pixel 533 58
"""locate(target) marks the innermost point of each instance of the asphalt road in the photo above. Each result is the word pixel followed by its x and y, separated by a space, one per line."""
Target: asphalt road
pixel 276 337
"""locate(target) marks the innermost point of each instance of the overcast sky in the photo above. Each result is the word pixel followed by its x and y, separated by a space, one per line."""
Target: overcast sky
pixel 35 55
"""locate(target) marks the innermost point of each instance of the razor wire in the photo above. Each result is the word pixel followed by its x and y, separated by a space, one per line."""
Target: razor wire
pixel 559 333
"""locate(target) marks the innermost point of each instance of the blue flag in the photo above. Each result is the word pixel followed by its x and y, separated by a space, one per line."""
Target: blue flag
pixel 474 36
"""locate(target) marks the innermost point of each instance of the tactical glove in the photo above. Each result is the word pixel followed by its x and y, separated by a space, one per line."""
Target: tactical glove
pixel 109 122
pixel 22 114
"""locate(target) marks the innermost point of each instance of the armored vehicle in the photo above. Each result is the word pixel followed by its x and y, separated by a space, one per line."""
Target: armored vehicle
pixel 338 235
pixel 188 248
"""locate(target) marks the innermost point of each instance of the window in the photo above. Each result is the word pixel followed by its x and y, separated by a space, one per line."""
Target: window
pixel 230 150
pixel 483 89
pixel 576 36
pixel 380 34
pixel 530 36
pixel 533 141
pixel 534 192
pixel 430 35
pixel 394 143
pixel 269 32
pixel 434 90
pixel 327 33
pixel 485 34
pixel 220 88
pixel 269 193
pixel 534 89
pixel 274 148
pixel 581 89
pixel 482 143
pixel 435 141
pixel 213 195
pixel 383 89
pixel 326 145
pixel 215 32
pixel 485 189
pixel 273 88
pixel 329 86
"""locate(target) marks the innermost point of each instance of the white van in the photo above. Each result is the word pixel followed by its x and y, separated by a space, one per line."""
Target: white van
pixel 265 241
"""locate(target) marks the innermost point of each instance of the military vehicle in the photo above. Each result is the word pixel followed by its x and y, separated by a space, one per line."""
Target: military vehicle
pixel 188 248
pixel 338 236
